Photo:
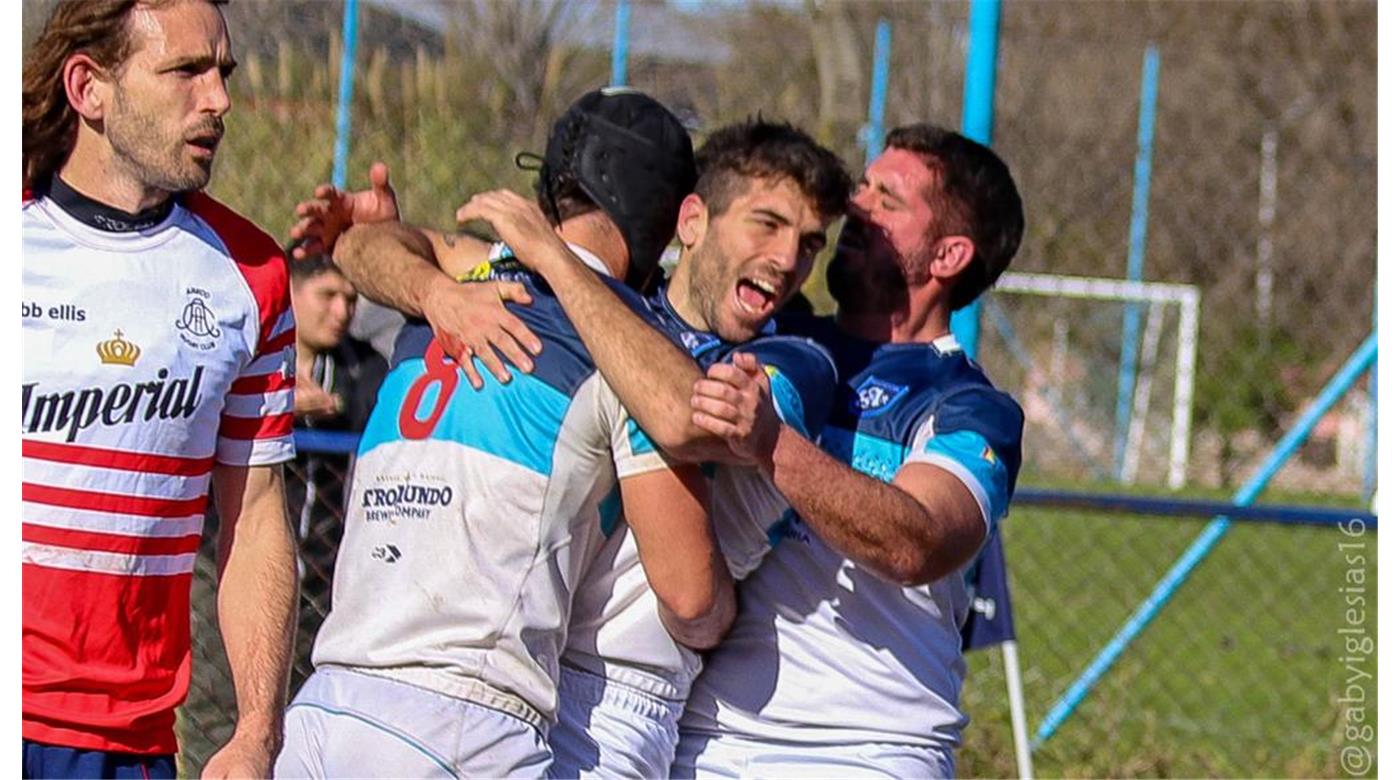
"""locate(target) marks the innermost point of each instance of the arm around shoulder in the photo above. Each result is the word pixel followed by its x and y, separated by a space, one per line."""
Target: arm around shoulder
pixel 917 529
pixel 391 263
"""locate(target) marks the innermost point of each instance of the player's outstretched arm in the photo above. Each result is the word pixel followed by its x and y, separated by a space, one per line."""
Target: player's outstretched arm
pixel 668 511
pixel 257 610
pixel 331 211
pixel 651 375
pixel 917 529
pixel 398 265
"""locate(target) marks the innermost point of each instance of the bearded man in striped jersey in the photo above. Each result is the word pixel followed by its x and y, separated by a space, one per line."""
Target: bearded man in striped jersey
pixel 158 352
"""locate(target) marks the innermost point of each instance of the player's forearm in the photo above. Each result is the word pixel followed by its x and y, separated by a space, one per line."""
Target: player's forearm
pixel 875 524
pixel 703 629
pixel 257 596
pixel 650 374
pixel 393 264
pixel 695 592
pixel 669 517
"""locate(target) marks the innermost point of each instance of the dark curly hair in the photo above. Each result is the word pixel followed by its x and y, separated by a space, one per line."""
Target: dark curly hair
pixel 757 148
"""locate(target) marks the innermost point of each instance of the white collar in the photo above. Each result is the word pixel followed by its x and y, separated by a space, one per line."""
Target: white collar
pixel 589 259
pixel 946 344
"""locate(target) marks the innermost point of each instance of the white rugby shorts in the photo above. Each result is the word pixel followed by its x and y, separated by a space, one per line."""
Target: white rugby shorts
pixel 610 730
pixel 710 756
pixel 345 723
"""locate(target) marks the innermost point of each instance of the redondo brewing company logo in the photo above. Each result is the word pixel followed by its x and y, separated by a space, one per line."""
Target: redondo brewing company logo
pixel 406 500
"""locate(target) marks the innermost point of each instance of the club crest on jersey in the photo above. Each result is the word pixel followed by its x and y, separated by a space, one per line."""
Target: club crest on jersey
pixel 198 325
pixel 874 396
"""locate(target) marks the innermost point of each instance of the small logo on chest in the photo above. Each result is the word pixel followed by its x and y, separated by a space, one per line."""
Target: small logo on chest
pixel 697 342
pixel 198 324
pixel 118 351
pixel 874 396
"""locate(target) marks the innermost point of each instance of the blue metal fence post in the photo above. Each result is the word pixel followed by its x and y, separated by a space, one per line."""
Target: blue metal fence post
pixel 1137 247
pixel 1368 475
pixel 349 35
pixel 879 84
pixel 1060 711
pixel 622 32
pixel 979 93
pixel 979 102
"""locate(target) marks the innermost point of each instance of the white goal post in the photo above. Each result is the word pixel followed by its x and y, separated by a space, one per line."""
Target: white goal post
pixel 1155 295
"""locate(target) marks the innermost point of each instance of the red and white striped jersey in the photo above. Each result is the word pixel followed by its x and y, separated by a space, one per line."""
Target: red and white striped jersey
pixel 149 356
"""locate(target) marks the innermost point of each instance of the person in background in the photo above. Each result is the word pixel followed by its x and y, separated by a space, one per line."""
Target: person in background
pixel 338 375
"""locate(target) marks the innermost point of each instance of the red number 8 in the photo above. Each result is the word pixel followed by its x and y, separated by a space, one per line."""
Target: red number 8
pixel 441 371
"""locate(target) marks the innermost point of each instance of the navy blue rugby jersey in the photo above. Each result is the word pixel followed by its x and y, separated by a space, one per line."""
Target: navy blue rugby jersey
pixel 896 650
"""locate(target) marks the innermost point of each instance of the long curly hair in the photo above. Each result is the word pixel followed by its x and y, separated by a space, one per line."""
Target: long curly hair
pixel 97 28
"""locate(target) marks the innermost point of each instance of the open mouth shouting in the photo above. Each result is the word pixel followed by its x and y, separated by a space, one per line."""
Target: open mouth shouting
pixel 757 298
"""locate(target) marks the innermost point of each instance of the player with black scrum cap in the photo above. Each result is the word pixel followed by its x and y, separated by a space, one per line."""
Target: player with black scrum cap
pixel 473 514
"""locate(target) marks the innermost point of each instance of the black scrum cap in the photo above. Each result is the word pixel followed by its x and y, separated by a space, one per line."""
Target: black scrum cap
pixel 634 159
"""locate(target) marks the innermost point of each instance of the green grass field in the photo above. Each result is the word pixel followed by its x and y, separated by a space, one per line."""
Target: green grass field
pixel 1238 676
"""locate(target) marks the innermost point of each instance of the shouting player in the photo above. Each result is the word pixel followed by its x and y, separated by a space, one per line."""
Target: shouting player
pixel 158 352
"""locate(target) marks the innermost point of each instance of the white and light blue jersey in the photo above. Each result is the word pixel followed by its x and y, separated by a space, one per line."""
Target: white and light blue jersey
pixel 615 631
pixel 473 514
pixel 824 652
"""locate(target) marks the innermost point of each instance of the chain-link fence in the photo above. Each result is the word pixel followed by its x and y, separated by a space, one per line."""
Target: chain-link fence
pixel 1242 674
pixel 1262 199
pixel 316 485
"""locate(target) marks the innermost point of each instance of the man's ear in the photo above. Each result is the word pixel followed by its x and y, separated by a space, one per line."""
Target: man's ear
pixel 951 254
pixel 88 86
pixel 693 220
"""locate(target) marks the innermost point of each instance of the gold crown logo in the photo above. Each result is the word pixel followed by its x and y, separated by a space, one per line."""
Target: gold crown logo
pixel 118 351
